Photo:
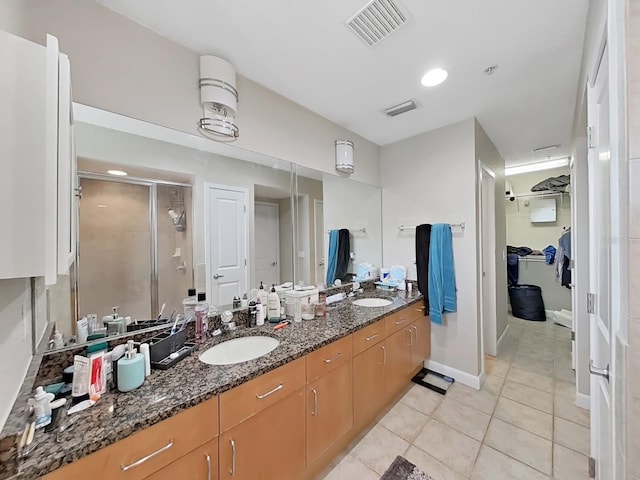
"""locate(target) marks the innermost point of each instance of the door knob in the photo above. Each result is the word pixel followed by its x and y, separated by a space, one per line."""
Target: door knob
pixel 274 264
pixel 217 276
pixel 603 372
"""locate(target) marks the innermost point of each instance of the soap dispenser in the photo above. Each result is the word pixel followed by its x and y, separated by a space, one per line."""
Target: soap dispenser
pixel 130 369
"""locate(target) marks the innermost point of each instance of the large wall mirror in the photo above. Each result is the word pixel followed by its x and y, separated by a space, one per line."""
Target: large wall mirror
pixel 326 202
pixel 189 212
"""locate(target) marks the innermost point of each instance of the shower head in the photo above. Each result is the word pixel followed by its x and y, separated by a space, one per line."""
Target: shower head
pixel 172 213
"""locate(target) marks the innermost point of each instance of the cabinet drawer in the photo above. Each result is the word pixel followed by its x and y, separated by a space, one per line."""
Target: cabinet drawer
pixel 329 357
pixel 400 319
pixel 246 400
pixel 146 452
pixel 368 336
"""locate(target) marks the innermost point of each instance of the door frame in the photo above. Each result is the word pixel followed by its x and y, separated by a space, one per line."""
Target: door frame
pixel 319 249
pixel 207 231
pixel 277 206
pixel 487 326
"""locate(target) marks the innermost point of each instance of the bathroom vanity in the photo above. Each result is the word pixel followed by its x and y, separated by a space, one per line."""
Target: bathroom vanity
pixel 285 415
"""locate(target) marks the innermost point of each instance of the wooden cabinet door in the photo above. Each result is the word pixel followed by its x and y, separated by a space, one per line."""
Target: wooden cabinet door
pixel 199 464
pixel 269 445
pixel 368 384
pixel 329 410
pixel 398 369
pixel 421 348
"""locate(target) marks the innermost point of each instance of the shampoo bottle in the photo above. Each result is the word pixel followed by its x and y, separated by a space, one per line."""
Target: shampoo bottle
pixel 263 296
pixel 273 306
pixel 130 369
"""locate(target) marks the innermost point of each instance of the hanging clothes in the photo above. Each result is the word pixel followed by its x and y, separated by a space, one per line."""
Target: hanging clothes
pixel 442 278
pixel 423 240
pixel 563 272
pixel 332 260
pixel 513 269
pixel 344 254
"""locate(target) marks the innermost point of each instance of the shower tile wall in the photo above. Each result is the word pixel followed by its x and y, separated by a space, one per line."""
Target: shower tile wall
pixel 115 252
pixel 173 281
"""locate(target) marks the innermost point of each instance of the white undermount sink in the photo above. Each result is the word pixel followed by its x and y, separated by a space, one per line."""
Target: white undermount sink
pixel 372 302
pixel 239 350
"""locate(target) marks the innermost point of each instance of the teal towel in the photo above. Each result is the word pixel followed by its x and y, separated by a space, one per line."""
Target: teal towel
pixel 332 261
pixel 442 277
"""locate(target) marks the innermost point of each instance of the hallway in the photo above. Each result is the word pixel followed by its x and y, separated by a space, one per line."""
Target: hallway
pixel 523 424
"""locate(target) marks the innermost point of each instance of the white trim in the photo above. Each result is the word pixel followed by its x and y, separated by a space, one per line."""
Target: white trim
pixel 503 337
pixel 277 207
pixel 473 381
pixel 583 401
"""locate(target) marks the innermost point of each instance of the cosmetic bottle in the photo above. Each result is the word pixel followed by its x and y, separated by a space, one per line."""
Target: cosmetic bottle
pixel 130 369
pixel 189 304
pixel 201 313
pixel 42 407
pixel 259 313
pixel 244 301
pixel 273 306
pixel 263 295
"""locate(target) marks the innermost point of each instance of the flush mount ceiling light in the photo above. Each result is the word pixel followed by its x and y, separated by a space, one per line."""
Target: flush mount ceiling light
pixel 117 173
pixel 490 69
pixel 537 166
pixel 344 156
pixel 434 77
pixel 219 99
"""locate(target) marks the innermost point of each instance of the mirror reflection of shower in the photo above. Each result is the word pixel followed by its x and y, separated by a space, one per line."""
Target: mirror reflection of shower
pixel 135 244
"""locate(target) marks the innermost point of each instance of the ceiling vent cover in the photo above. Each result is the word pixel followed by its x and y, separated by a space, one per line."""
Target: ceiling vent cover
pixel 401 108
pixel 377 20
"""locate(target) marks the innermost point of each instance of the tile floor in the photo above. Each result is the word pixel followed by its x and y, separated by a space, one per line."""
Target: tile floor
pixel 523 423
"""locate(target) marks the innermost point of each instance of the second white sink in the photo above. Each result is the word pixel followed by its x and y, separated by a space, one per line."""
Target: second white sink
pixel 239 350
pixel 372 302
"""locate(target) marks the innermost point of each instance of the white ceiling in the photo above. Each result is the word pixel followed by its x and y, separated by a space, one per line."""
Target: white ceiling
pixel 304 51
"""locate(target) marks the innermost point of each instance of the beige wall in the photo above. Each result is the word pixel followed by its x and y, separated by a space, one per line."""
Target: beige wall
pixel 118 65
pixel 488 154
pixel 633 136
pixel 520 230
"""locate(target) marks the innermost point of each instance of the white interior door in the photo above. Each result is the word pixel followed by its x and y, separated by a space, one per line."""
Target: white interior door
pixel 267 242
pixel 303 256
pixel 600 234
pixel 488 248
pixel 318 218
pixel 226 243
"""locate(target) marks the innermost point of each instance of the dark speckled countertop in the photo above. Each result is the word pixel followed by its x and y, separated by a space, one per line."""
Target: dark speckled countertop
pixel 165 393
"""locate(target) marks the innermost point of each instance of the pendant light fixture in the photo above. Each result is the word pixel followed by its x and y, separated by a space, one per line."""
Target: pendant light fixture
pixel 219 99
pixel 344 156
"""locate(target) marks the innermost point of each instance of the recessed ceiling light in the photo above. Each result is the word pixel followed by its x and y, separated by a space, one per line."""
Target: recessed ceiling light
pixel 118 173
pixel 490 69
pixel 434 77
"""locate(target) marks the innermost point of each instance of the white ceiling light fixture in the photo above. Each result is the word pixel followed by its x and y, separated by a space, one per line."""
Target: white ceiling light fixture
pixel 117 173
pixel 490 69
pixel 344 156
pixel 434 77
pixel 537 166
pixel 219 99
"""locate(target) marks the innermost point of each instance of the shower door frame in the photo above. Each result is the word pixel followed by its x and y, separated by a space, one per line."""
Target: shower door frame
pixel 152 183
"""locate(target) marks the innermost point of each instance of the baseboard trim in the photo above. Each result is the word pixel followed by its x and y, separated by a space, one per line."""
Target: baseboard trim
pixel 473 381
pixel 583 401
pixel 502 338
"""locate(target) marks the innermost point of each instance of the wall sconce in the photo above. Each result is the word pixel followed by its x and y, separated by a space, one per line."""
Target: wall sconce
pixel 344 156
pixel 219 99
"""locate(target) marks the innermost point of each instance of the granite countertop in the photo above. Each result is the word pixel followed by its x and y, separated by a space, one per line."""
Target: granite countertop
pixel 165 393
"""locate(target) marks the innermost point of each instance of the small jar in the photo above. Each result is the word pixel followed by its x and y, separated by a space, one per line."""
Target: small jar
pixel 320 309
pixel 308 311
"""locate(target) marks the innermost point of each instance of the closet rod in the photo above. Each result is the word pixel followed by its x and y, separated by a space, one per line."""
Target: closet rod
pixel 460 225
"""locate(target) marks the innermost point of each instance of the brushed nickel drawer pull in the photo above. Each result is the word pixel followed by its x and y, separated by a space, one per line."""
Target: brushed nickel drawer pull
pixel 372 337
pixel 279 387
pixel 232 472
pixel 148 457
pixel 208 457
pixel 398 322
pixel 384 356
pixel 315 402
pixel 329 360
pixel 410 336
pixel 415 329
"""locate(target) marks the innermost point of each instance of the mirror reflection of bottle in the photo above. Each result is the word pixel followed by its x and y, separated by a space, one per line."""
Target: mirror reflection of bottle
pixel 201 312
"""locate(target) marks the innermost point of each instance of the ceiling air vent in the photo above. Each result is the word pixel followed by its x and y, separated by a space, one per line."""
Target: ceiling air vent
pixel 377 20
pixel 401 108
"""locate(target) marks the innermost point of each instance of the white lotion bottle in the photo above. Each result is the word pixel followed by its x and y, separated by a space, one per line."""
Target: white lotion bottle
pixel 144 350
pixel 259 313
pixel 273 305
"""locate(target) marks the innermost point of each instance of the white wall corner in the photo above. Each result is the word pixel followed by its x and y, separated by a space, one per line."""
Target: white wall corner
pixel 503 337
pixel 583 401
pixel 473 381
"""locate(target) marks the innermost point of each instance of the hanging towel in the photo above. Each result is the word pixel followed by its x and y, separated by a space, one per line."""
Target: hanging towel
pixel 423 239
pixel 442 278
pixel 332 262
pixel 344 250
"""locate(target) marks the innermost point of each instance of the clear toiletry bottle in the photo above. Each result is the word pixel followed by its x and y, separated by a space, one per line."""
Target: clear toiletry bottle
pixel 131 371
pixel 273 305
pixel 189 304
pixel 201 313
